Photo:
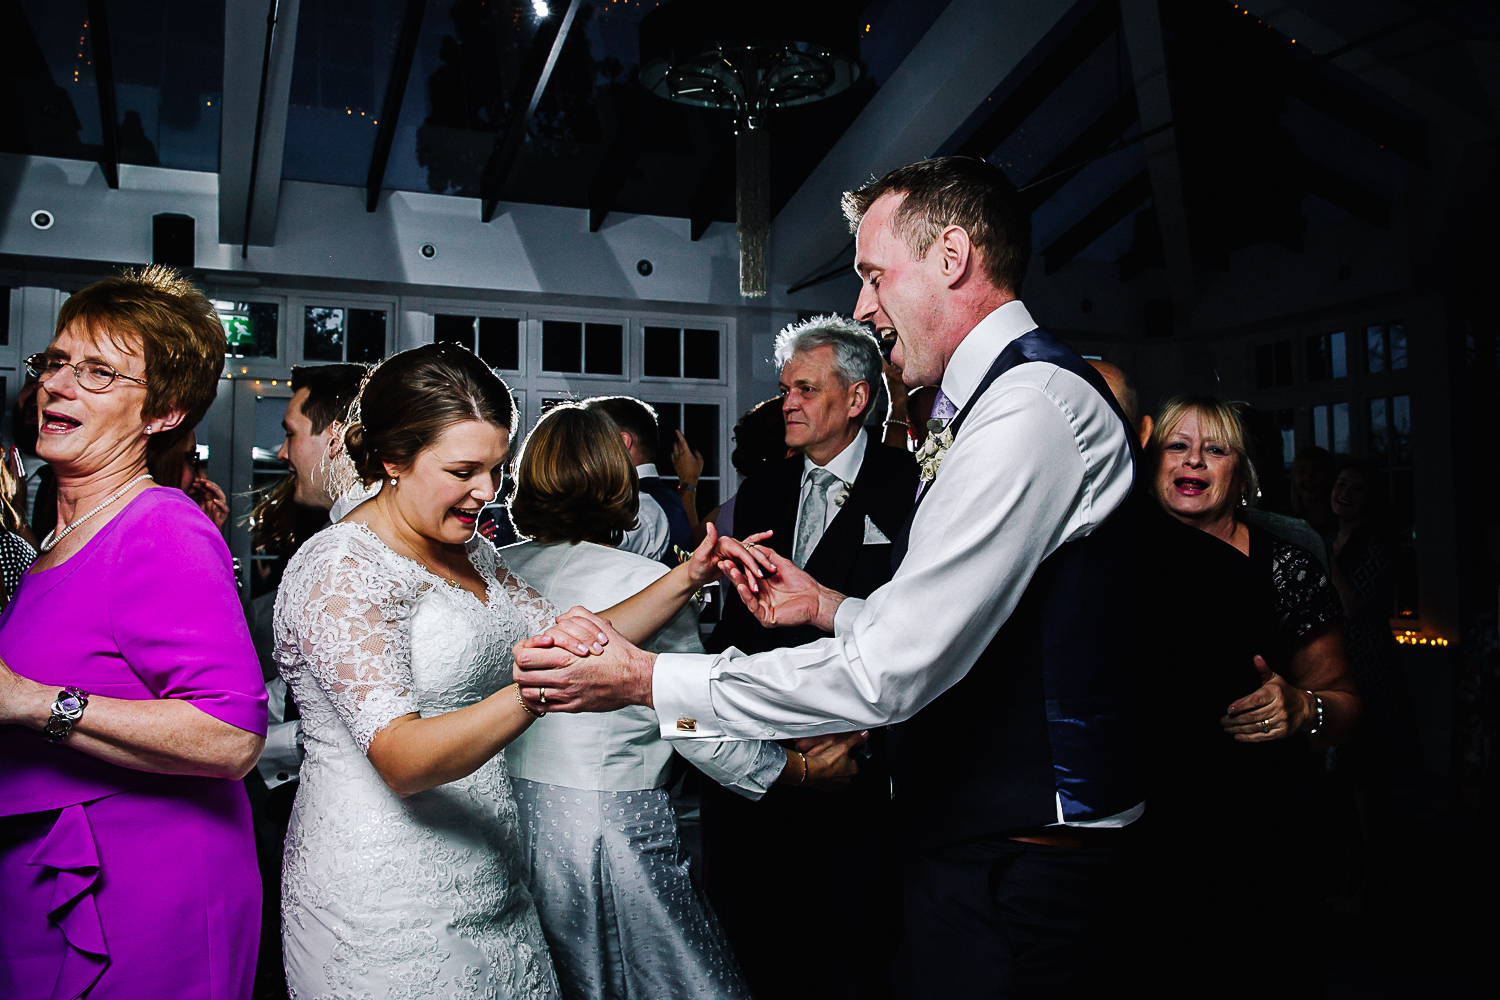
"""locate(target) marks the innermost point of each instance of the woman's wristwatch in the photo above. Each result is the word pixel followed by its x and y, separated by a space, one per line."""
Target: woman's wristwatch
pixel 66 711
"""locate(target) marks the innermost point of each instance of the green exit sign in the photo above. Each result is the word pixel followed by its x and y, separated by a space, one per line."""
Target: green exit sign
pixel 238 329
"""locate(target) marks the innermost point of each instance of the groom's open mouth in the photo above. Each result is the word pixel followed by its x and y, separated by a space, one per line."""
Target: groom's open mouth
pixel 1189 486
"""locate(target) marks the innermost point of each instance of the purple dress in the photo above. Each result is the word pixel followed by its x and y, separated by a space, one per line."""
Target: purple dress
pixel 116 882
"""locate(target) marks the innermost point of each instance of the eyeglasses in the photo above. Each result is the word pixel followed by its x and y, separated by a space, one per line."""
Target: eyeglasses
pixel 95 376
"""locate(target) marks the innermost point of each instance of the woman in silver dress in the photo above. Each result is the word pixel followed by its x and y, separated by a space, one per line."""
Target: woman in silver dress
pixel 394 630
pixel 608 871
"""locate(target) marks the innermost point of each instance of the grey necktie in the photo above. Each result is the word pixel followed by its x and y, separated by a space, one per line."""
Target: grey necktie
pixel 814 515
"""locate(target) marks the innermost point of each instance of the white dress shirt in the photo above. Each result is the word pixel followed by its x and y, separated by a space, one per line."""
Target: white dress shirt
pixel 622 750
pixel 1041 459
pixel 652 535
pixel 845 465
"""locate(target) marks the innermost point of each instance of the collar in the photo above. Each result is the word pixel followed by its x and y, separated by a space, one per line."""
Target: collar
pixel 845 464
pixel 647 471
pixel 981 346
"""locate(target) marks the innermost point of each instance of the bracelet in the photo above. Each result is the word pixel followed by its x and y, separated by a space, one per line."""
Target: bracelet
pixel 802 779
pixel 67 709
pixel 1318 701
pixel 686 486
pixel 903 423
pixel 527 708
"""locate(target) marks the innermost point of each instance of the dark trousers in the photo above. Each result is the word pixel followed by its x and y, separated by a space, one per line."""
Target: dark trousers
pixel 995 917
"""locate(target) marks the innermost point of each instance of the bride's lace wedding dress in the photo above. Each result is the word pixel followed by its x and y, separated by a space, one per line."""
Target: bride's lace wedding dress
pixel 384 896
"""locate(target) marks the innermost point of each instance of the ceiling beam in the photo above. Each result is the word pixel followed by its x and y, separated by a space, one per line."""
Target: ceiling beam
pixel 1335 188
pixel 395 93
pixel 1300 19
pixel 970 50
pixel 104 85
pixel 246 30
pixel 620 158
pixel 1375 123
pixel 1148 64
pixel 1059 64
pixel 715 187
pixel 1126 199
pixel 1096 139
pixel 546 46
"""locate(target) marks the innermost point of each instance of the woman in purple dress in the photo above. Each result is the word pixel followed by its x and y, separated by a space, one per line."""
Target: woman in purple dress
pixel 131 700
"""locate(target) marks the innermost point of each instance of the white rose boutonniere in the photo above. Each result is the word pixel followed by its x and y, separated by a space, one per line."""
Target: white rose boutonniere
pixel 930 455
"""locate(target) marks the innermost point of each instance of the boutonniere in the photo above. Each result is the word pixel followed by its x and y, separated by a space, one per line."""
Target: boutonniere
pixel 930 455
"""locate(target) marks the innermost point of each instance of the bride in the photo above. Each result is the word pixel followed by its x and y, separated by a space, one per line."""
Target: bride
pixel 393 631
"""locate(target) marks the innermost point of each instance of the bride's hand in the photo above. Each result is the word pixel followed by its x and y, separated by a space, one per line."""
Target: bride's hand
pixel 785 595
pixel 577 630
pixel 717 553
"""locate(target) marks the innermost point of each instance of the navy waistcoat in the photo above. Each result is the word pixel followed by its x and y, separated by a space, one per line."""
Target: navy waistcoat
pixel 1047 712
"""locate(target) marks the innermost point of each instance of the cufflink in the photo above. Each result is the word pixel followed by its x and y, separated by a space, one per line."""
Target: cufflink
pixel 687 725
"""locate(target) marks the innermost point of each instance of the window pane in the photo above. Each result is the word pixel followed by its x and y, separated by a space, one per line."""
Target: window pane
pixel 1338 360
pixel 1375 348
pixel 453 330
pixel 659 352
pixel 366 335
pixel 708 495
pixel 1265 367
pixel 1317 358
pixel 249 327
pixel 500 342
pixel 1398 346
pixel 701 428
pixel 323 334
pixel 1320 426
pixel 1401 430
pixel 1286 421
pixel 603 352
pixel 1341 428
pixel 562 346
pixel 668 420
pixel 700 354
pixel 1379 429
pixel 1283 362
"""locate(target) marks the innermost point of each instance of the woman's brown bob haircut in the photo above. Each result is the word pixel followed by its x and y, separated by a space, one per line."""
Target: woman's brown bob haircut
pixel 957 191
pixel 155 313
pixel 575 481
pixel 412 397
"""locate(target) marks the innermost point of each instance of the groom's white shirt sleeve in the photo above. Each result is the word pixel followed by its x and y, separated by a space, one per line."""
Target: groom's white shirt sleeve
pixel 1041 459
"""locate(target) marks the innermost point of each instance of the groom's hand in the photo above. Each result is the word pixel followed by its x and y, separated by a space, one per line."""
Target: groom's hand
pixel 554 679
pixel 785 595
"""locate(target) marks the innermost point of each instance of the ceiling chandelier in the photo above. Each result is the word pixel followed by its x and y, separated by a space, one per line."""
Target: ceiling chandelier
pixel 748 59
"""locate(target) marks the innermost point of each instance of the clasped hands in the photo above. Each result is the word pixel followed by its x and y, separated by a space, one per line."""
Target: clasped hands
pixel 583 664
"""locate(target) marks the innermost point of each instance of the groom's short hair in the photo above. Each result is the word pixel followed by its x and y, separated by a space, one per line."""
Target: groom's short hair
pixel 955 191
pixel 330 390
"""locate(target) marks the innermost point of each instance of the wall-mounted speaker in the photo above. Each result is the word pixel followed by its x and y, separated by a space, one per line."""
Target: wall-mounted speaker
pixel 173 239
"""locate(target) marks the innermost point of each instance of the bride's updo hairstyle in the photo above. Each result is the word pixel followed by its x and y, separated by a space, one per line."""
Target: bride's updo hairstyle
pixel 412 397
pixel 575 481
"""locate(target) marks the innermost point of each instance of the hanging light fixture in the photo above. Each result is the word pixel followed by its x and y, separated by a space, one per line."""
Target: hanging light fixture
pixel 747 59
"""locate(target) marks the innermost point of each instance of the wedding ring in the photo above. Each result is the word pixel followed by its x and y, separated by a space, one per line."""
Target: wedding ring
pixel 1265 724
pixel 541 696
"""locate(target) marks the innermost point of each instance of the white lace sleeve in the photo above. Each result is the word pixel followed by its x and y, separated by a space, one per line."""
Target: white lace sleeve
pixel 346 617
pixel 538 612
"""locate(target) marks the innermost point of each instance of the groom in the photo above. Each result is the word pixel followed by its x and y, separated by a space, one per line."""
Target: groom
pixel 1003 650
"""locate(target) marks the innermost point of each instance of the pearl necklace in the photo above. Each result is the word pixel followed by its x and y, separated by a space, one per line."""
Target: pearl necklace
pixel 49 543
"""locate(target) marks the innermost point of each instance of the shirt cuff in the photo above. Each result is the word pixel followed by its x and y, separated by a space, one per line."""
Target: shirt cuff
pixel 843 618
pixel 281 757
pixel 679 689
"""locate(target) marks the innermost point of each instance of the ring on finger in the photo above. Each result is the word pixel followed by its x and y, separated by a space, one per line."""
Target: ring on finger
pixel 541 696
pixel 1265 725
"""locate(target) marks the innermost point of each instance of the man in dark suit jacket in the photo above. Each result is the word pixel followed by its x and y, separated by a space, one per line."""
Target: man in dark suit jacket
pixel 802 858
